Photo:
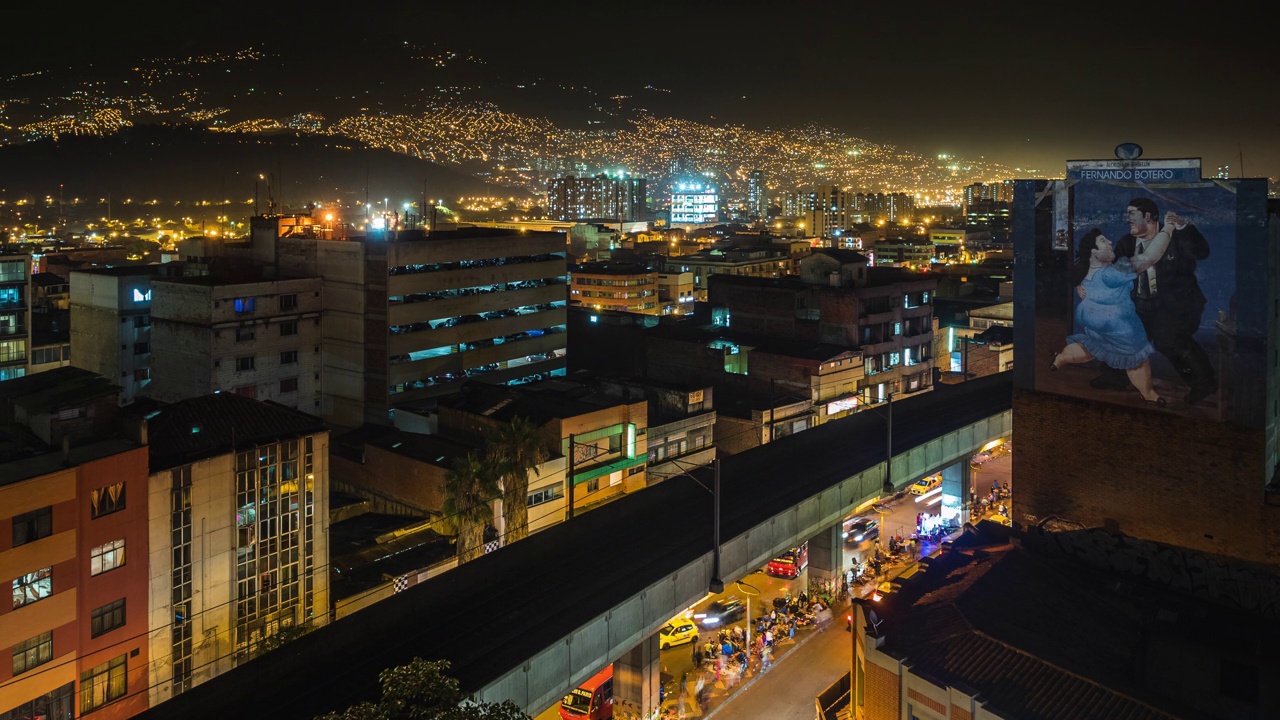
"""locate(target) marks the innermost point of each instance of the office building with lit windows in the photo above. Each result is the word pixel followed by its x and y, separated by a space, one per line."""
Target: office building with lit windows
pixel 757 195
pixel 628 287
pixel 74 547
pixel 409 314
pixel 602 197
pixel 694 204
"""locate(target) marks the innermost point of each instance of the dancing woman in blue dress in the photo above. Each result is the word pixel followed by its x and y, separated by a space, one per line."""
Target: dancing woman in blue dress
pixel 1110 329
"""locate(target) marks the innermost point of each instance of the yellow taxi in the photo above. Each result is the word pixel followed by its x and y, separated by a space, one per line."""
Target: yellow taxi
pixel 926 484
pixel 677 632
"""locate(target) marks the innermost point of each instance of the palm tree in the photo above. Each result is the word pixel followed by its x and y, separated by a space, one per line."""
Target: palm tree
pixel 470 486
pixel 515 450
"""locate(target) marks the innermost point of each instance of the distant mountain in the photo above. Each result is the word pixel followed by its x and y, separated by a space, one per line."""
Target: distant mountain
pixel 360 119
pixel 195 167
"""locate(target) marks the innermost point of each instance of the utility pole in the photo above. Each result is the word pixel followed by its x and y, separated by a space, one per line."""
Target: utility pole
pixel 888 448
pixel 717 585
pixel 569 479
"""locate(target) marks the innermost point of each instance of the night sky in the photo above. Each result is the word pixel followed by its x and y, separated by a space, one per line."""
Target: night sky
pixel 1029 84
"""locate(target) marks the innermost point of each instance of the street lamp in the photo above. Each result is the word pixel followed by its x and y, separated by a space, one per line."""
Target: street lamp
pixel 888 439
pixel 743 586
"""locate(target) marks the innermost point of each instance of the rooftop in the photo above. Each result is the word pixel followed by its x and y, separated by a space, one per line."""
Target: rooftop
pixel 430 449
pixel 56 389
pixel 540 402
pixel 1040 635
pixel 844 257
pixel 203 427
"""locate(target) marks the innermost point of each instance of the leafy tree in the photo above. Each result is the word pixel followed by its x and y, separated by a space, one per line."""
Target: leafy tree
pixel 423 689
pixel 515 450
pixel 469 487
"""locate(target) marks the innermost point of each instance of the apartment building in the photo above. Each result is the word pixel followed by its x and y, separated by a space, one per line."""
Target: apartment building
pixel 260 338
pixel 238 522
pixel 627 287
pixel 111 325
pixel 74 546
pixel 15 271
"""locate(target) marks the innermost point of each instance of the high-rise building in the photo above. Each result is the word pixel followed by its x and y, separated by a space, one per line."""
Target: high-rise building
pixel 694 204
pixel 15 331
pixel 409 315
pixel 601 197
pixel 828 211
pixel 1001 191
pixel 1187 447
pixel 757 195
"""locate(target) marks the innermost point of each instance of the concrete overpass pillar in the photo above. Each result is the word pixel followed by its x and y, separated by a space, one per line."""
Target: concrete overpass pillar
pixel 826 554
pixel 956 498
pixel 637 679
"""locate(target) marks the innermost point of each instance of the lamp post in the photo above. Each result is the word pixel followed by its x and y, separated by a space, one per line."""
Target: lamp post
pixel 888 440
pixel 743 586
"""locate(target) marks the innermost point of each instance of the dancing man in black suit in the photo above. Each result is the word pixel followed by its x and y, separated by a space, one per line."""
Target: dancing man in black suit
pixel 1168 300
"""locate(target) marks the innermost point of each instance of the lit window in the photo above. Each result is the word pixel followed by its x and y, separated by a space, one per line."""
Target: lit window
pixel 107 500
pixel 33 652
pixel 104 683
pixel 244 305
pixel 106 557
pixel 32 587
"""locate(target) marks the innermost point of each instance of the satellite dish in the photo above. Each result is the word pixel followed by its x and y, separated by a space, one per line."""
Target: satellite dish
pixel 1129 151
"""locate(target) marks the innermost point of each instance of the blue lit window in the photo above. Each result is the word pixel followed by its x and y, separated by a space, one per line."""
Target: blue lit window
pixel 244 305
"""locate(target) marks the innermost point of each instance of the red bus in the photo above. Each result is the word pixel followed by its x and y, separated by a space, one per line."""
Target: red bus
pixel 592 700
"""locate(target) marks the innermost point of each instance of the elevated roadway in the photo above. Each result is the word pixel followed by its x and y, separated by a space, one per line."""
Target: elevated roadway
pixel 530 622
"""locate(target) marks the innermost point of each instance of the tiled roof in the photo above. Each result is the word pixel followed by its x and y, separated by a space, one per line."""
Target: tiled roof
pixel 202 427
pixel 1029 641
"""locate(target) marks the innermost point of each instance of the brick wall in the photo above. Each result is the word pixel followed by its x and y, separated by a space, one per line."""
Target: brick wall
pixel 882 694
pixel 959 713
pixel 1191 483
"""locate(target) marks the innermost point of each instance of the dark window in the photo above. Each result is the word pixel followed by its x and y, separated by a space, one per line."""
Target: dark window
pixel 141 348
pixel 244 334
pixel 106 500
pixel 288 302
pixel 107 618
pixel 288 328
pixel 33 652
pixel 31 526
pixel 141 374
pixel 58 704
pixel 250 391
pixel 244 364
pixel 289 385
pixel 288 357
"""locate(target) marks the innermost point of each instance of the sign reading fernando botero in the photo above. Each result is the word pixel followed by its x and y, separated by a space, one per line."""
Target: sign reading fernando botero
pixel 1150 287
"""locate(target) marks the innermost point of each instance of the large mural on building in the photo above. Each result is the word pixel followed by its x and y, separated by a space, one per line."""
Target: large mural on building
pixel 1137 287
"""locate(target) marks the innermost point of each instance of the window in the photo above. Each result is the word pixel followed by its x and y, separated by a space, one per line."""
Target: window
pixel 249 391
pixel 593 484
pixel 244 334
pixel 107 500
pixel 31 526
pixel 141 348
pixel 288 328
pixel 103 684
pixel 142 374
pixel 545 495
pixel 288 357
pixel 33 652
pixel 289 385
pixel 141 321
pixel 106 557
pixel 288 302
pixel 244 364
pixel 107 618
pixel 244 305
pixel 32 587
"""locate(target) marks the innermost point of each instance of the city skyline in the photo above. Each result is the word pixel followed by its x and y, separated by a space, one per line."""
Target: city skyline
pixel 1002 84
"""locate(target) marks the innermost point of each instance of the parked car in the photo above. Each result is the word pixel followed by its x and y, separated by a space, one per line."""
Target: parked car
pixel 790 563
pixel 677 632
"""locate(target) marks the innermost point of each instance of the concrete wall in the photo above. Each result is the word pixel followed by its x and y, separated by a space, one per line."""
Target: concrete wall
pixel 551 673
